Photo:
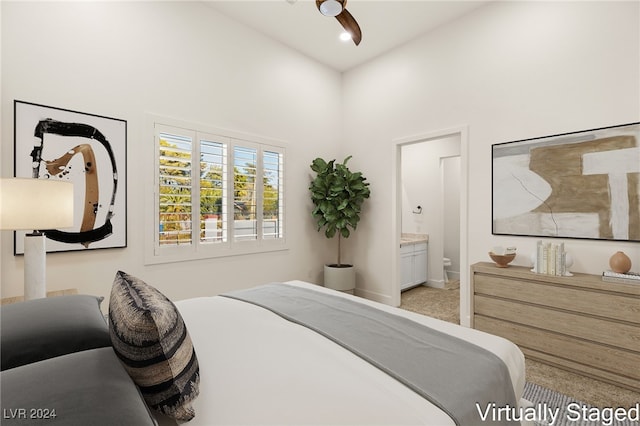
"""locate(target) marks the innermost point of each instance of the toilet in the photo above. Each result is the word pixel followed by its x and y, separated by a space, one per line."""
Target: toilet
pixel 445 262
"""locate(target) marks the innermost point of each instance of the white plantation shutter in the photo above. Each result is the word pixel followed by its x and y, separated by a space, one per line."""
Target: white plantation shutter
pixel 273 195
pixel 175 189
pixel 216 195
pixel 245 193
pixel 213 191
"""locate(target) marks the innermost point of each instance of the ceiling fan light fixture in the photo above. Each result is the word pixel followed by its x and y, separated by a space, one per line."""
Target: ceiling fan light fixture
pixel 345 36
pixel 331 8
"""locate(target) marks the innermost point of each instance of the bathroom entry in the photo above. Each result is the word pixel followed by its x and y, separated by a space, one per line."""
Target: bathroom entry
pixel 430 190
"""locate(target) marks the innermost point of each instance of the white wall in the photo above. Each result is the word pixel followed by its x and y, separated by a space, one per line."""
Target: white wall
pixel 182 60
pixel 508 70
pixel 451 170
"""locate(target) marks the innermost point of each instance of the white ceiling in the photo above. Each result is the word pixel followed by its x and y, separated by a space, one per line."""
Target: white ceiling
pixel 385 24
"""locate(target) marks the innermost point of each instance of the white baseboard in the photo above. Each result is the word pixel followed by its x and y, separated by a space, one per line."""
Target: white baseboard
pixel 453 275
pixel 372 295
pixel 435 283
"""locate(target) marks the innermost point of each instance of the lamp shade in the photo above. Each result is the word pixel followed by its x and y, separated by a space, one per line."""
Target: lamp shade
pixel 35 204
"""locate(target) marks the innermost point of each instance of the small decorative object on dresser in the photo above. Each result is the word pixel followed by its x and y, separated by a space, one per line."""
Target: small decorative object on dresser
pixel 502 257
pixel 620 262
pixel 616 277
pixel 551 259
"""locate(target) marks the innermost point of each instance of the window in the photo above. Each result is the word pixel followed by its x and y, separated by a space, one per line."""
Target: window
pixel 216 194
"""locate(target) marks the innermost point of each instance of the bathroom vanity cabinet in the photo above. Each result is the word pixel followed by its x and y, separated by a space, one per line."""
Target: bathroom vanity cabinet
pixel 413 263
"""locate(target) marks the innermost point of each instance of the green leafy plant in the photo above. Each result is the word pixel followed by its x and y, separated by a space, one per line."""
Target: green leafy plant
pixel 337 194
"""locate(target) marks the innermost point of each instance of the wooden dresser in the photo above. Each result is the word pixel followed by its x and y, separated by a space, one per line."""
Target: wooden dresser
pixel 578 323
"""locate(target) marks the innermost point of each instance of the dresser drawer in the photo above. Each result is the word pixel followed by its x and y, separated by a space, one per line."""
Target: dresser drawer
pixel 605 361
pixel 593 329
pixel 583 301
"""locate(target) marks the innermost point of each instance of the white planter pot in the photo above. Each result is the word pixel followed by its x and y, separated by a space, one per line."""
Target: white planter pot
pixel 341 279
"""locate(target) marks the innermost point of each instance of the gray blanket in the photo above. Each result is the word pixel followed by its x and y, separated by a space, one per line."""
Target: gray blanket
pixel 453 374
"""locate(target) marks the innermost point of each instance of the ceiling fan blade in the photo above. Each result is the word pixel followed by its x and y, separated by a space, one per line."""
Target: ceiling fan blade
pixel 349 23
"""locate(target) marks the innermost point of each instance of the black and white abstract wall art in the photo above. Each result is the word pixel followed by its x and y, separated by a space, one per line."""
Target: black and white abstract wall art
pixel 86 149
pixel 582 185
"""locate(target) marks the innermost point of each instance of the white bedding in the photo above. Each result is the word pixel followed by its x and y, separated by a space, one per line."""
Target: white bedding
pixel 257 368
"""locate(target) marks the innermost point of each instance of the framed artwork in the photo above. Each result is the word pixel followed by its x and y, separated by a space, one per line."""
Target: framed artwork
pixel 86 149
pixel 582 184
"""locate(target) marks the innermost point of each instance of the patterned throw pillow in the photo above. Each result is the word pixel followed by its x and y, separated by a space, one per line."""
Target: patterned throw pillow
pixel 151 339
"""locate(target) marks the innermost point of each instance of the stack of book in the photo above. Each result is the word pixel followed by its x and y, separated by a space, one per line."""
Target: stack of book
pixel 551 259
pixel 616 277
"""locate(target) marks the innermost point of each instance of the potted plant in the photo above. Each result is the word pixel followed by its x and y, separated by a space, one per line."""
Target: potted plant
pixel 337 194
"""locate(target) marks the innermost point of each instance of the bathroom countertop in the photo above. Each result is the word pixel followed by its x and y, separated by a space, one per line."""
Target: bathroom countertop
pixel 407 239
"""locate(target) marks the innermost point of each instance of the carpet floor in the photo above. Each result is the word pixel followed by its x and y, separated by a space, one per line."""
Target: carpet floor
pixel 445 304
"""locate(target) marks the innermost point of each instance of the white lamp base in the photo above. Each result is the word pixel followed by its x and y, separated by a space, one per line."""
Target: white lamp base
pixel 35 284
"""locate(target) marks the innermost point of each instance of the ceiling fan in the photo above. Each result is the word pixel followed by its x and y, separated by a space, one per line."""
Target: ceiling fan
pixel 337 9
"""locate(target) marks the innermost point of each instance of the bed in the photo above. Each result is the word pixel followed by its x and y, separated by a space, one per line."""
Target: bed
pixel 258 367
pixel 276 354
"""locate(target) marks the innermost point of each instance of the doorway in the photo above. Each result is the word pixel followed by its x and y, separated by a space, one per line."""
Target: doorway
pixel 440 155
